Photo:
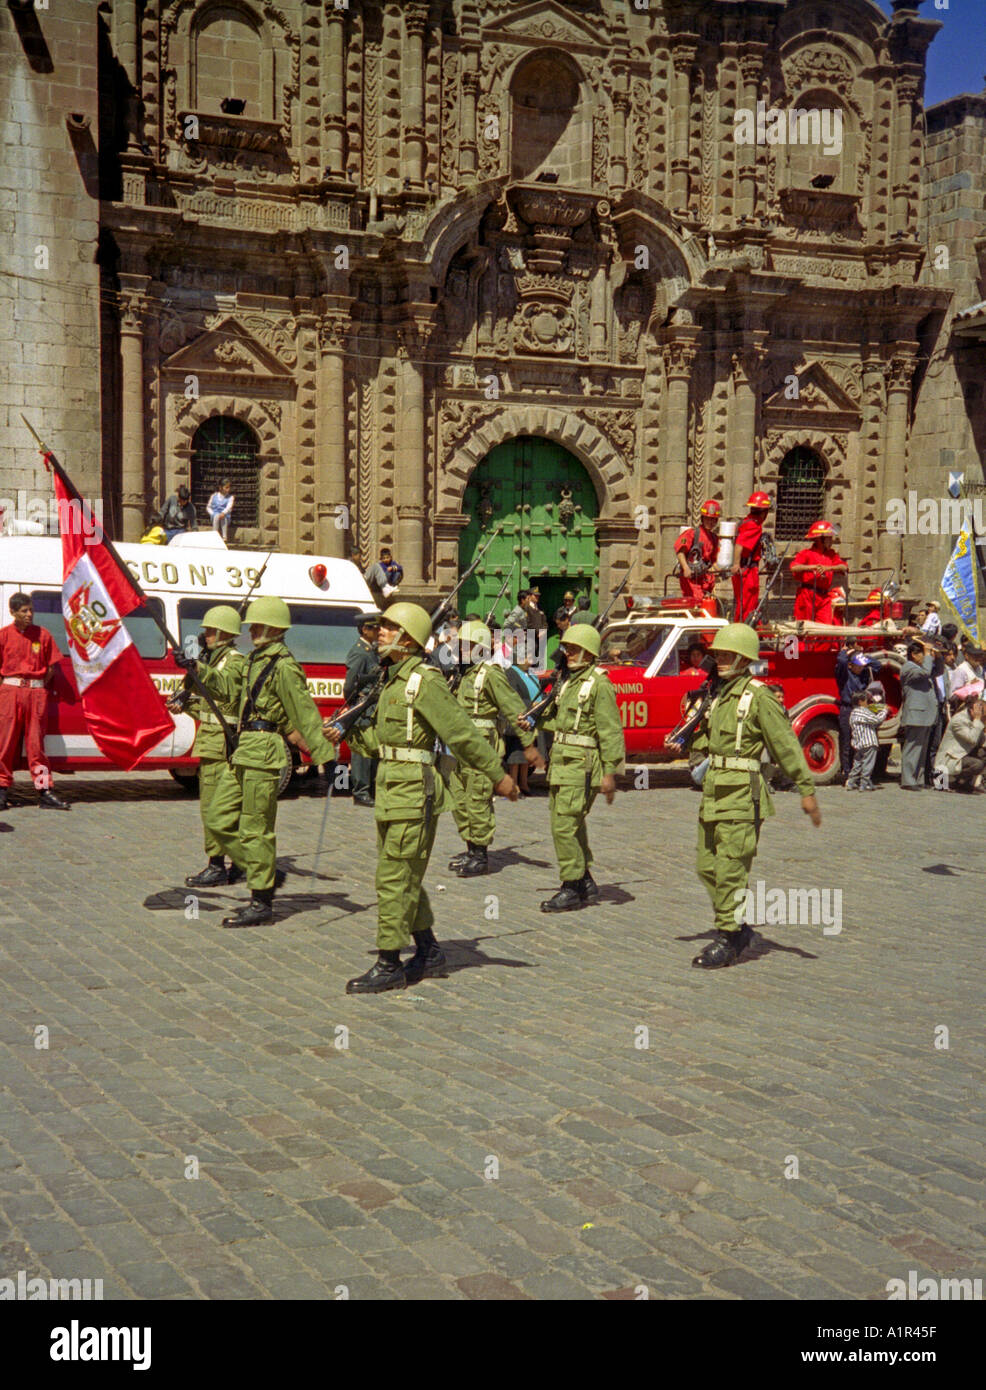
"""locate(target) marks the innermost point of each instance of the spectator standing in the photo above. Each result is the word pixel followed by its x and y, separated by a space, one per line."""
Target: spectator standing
pixel 969 669
pixel 518 615
pixel 220 507
pixel 962 754
pixel 932 623
pixel 918 715
pixel 28 662
pixel 851 676
pixel 868 713
pixel 177 514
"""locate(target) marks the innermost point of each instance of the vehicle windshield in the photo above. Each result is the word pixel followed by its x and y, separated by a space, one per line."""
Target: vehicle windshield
pixel 318 636
pixel 633 644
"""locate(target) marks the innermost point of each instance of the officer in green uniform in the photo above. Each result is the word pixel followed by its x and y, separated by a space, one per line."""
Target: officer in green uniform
pixel 415 707
pixel 486 695
pixel 362 670
pixel 220 629
pixel 742 720
pixel 273 700
pixel 585 755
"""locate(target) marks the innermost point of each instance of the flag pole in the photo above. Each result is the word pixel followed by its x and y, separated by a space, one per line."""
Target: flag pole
pixel 53 465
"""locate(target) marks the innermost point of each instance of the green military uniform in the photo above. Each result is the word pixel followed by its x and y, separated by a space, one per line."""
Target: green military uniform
pixel 587 746
pixel 485 694
pixel 415 707
pixel 362 670
pixel 210 741
pixel 244 805
pixel 735 795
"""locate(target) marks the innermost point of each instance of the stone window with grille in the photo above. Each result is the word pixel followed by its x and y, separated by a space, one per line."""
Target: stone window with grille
pixel 800 493
pixel 224 447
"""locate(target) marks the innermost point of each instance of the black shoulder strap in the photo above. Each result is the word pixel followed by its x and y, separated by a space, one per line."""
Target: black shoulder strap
pixel 258 685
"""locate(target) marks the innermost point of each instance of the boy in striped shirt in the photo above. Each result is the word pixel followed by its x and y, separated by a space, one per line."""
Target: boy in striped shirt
pixel 868 713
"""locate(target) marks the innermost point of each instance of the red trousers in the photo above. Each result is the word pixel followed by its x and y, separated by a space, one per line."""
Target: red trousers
pixel 698 590
pixel 746 593
pixel 811 606
pixel 22 716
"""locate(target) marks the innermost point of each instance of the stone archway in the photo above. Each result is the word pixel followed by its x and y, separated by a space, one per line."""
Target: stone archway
pixel 264 418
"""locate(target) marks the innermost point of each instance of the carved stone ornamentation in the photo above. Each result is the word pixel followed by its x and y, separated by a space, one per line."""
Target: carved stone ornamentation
pixel 544 328
pixel 818 67
pixel 458 420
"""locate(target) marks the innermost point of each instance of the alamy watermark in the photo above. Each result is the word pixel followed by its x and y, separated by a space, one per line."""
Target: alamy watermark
pixel 761 906
pixel 935 516
pixel 23 1288
pixel 47 516
pixel 797 126
pixel 947 1290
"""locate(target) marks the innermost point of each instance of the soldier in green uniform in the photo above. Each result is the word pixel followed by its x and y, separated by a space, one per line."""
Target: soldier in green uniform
pixel 486 695
pixel 220 629
pixel 742 720
pixel 415 707
pixel 273 700
pixel 586 754
pixel 362 670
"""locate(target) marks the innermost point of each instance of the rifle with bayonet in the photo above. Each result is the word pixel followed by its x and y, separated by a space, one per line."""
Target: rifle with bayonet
pixel 446 602
pixel 556 678
pixel 181 697
pixel 488 620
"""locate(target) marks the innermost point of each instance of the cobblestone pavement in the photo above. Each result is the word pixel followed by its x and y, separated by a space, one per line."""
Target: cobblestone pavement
pixel 369 1168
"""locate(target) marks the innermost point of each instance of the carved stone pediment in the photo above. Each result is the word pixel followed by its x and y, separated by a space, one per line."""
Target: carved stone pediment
pixel 816 395
pixel 546 21
pixel 822 209
pixel 227 349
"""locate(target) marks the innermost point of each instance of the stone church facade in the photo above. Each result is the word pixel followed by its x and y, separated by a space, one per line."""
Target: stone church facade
pixel 362 256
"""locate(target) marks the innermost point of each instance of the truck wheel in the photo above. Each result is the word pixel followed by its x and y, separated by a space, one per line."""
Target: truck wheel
pixel 820 745
pixel 188 781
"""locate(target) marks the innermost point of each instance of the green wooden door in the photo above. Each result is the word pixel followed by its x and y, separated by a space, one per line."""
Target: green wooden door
pixel 544 501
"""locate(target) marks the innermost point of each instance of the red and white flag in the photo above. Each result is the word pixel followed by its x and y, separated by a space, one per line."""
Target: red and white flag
pixel 125 714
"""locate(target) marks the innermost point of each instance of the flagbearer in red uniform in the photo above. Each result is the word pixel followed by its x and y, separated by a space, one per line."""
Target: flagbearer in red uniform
pixel 747 552
pixel 28 660
pixel 696 549
pixel 816 568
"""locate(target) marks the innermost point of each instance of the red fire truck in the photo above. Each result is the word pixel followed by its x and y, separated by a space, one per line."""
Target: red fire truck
pixel 181 581
pixel 646 656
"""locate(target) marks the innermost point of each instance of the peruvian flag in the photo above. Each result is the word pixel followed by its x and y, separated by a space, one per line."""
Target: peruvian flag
pixel 125 714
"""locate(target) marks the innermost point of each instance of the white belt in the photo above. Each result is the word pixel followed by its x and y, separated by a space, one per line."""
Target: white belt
pixel 485 723
pixel 736 764
pixel 206 717
pixel 390 754
pixel 578 740
pixel 24 681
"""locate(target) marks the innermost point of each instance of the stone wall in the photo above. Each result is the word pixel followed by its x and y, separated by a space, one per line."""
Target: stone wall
pixel 49 223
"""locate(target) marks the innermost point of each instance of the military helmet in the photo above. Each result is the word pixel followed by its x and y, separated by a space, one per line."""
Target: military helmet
pixel 739 638
pixel 582 635
pixel 272 612
pixel 476 634
pixel 223 618
pixel 410 618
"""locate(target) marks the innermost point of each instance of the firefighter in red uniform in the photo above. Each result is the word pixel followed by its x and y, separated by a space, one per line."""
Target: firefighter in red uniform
pixel 696 549
pixel 28 662
pixel 877 614
pixel 747 552
pixel 817 567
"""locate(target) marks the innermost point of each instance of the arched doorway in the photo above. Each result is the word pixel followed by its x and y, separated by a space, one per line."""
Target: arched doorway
pixel 800 493
pixel 224 447
pixel 545 503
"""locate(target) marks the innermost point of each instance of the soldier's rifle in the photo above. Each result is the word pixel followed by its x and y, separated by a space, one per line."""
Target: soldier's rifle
pixel 758 612
pixel 183 696
pixel 488 620
pixel 446 602
pixel 52 463
pixel 699 701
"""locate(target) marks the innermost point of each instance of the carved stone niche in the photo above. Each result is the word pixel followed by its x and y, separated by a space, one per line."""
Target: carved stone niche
pixel 234 132
pixel 822 208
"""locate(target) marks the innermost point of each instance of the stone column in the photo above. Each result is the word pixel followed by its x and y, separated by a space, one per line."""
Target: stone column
pixel 467 116
pixel 680 351
pixel 907 94
pixel 415 22
pixel 597 313
pixel 334 91
pixel 126 30
pixel 899 371
pixel 746 155
pixel 411 480
pixel 133 307
pixel 682 58
pixel 330 489
pixel 621 104
pixel 741 452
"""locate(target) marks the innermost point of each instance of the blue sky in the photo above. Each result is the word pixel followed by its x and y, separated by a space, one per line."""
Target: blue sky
pixel 957 56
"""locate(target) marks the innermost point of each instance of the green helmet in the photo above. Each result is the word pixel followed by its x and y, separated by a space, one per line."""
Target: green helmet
pixel 410 618
pixel 582 635
pixel 739 638
pixel 223 618
pixel 476 634
pixel 272 612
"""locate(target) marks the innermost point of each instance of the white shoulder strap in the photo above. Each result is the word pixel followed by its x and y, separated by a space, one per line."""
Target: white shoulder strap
pixel 585 692
pixel 743 709
pixel 477 689
pixel 410 695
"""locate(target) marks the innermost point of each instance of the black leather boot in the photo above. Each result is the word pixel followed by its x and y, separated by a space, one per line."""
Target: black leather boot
pixel 428 961
pixel 53 802
pixel 725 950
pixel 474 863
pixel 385 973
pixel 235 874
pixel 3 798
pixel 567 899
pixel 257 911
pixel 589 888
pixel 461 857
pixel 213 873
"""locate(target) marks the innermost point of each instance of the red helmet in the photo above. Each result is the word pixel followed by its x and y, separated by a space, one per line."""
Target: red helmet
pixel 874 596
pixel 710 508
pixel 838 595
pixel 819 528
pixel 758 499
